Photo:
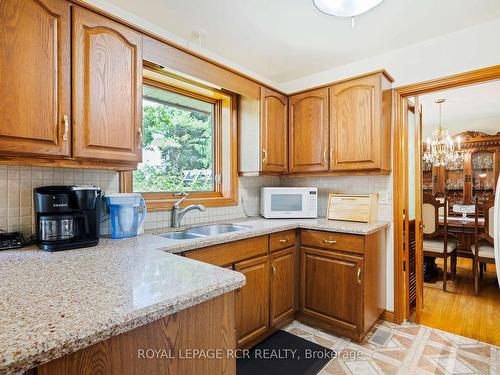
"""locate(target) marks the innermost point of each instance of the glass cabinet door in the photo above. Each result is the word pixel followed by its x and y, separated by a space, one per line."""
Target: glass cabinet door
pixel 454 183
pixel 427 178
pixel 483 176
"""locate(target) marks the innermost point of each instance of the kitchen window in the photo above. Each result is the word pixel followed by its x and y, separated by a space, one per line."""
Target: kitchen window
pixel 188 144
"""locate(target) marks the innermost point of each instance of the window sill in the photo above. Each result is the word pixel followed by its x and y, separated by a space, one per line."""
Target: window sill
pixel 166 204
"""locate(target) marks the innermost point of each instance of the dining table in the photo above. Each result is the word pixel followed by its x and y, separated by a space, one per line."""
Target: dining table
pixel 463 229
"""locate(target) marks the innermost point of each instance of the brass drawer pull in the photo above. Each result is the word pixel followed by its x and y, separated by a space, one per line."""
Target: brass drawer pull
pixel 358 276
pixel 284 240
pixel 330 242
pixel 66 128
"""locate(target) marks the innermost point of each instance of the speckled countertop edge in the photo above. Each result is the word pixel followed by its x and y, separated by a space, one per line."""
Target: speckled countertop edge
pixel 24 350
pixel 261 227
pixel 139 317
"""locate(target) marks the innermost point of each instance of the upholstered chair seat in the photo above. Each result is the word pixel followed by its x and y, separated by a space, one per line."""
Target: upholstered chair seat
pixel 437 246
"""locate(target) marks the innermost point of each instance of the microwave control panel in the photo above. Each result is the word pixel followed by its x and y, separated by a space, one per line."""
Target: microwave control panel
pixel 313 200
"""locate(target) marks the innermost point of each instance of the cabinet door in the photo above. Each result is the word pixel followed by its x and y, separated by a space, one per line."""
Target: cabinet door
pixel 252 300
pixel 309 131
pixel 331 288
pixel 282 285
pixel 274 131
pixel 107 89
pixel 355 132
pixel 35 77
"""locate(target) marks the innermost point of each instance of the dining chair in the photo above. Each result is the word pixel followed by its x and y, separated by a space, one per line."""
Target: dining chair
pixel 436 241
pixel 483 239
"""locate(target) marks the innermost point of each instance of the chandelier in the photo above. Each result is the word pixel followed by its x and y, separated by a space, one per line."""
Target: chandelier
pixel 441 149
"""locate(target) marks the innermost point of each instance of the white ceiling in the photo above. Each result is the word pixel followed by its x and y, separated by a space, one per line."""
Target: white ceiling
pixel 282 40
pixel 475 107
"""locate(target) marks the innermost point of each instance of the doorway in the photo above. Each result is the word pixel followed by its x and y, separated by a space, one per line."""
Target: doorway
pixel 408 197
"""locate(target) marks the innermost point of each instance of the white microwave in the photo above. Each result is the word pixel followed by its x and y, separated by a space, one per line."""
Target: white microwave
pixel 288 202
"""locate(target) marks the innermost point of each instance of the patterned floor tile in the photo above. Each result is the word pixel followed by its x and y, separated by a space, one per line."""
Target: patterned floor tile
pixel 405 349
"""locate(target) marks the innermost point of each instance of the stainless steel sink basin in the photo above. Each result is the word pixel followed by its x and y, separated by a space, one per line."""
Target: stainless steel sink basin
pixel 208 230
pixel 203 231
pixel 183 235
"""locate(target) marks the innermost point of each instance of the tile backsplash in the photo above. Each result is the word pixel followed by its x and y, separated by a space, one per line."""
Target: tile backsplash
pixel 17 184
pixel 348 185
pixel 249 192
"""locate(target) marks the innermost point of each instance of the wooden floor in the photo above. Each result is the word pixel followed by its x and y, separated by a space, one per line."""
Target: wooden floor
pixel 459 311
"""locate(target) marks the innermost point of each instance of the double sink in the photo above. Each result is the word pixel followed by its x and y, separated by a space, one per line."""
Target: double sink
pixel 203 231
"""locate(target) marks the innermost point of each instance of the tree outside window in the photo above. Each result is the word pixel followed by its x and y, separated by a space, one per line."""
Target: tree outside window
pixel 178 145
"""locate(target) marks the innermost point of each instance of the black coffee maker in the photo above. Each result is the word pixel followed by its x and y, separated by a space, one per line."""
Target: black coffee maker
pixel 67 217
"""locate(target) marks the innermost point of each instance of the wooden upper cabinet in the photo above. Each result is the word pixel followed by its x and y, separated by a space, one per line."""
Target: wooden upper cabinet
pixel 360 124
pixel 107 89
pixel 309 131
pixel 274 131
pixel 35 77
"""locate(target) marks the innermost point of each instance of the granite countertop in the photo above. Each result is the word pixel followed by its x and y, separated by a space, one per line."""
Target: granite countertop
pixel 52 304
pixel 260 226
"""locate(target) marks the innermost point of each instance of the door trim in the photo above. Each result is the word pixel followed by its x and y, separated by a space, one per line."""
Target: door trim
pixel 399 94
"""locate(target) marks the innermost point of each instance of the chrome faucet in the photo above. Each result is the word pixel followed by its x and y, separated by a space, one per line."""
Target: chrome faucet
pixel 178 213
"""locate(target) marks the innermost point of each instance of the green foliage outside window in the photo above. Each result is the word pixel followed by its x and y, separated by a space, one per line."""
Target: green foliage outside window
pixel 181 141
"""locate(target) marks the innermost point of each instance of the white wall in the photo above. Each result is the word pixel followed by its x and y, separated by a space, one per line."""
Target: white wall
pixel 468 49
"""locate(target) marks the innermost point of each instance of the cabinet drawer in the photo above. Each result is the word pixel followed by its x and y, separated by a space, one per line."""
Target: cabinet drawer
pixel 281 240
pixel 221 255
pixel 335 241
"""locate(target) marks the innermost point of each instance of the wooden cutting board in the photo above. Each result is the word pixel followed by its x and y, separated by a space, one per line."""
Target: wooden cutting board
pixel 353 207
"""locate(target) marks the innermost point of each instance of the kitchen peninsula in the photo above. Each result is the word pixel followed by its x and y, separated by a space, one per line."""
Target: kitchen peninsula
pixel 72 312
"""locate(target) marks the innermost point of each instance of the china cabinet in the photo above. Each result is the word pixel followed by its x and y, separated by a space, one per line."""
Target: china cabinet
pixel 474 176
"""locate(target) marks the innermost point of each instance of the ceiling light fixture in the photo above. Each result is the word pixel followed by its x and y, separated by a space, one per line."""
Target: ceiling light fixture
pixel 346 8
pixel 441 149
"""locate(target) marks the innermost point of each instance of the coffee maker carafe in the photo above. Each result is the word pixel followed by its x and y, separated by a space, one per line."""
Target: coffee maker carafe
pixel 67 217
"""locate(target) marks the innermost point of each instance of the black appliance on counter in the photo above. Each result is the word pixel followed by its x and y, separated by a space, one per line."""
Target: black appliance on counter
pixel 67 217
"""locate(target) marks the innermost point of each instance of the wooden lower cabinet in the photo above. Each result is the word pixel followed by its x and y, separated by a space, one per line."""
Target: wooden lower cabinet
pixel 252 300
pixel 342 281
pixel 332 288
pixel 336 282
pixel 282 286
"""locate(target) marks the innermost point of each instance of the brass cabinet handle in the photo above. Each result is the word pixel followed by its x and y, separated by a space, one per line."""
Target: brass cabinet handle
pixel 284 240
pixel 331 242
pixel 66 128
pixel 325 153
pixel 358 276
pixel 274 269
pixel 139 138
pixel 264 155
